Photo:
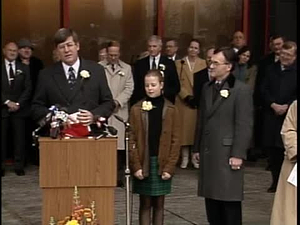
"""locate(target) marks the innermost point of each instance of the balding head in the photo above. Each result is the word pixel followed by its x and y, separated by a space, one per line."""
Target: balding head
pixel 10 51
pixel 238 39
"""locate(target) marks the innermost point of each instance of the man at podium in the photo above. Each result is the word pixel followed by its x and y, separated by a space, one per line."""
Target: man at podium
pixel 78 85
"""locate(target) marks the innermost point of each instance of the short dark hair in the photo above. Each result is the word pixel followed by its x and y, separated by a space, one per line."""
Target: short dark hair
pixel 155 73
pixel 276 36
pixel 113 44
pixel 173 39
pixel 289 45
pixel 245 49
pixel 63 34
pixel 195 40
pixel 229 54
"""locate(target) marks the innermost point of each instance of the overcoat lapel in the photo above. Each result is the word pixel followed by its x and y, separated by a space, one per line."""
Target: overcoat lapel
pixel 218 101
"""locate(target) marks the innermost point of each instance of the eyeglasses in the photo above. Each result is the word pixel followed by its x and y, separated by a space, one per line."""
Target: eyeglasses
pixel 215 64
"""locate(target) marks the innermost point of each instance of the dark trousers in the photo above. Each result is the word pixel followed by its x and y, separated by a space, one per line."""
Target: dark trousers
pixel 121 161
pixel 17 144
pixel 223 212
pixel 276 160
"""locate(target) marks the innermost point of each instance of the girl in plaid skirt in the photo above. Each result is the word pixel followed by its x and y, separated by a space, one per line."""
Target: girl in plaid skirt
pixel 154 145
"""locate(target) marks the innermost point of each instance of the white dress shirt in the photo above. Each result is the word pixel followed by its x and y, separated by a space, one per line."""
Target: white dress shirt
pixel 157 58
pixel 13 63
pixel 75 67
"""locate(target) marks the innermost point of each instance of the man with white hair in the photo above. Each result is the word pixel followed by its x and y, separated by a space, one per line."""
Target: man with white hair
pixel 155 61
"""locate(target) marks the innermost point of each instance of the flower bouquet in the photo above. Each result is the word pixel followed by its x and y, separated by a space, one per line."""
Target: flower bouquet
pixel 80 215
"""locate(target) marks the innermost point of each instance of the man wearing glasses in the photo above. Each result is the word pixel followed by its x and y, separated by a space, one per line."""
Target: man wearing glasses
pixel 74 83
pixel 223 135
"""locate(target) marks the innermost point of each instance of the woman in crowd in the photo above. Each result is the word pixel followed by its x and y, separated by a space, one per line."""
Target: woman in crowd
pixel 244 70
pixel 285 201
pixel 186 68
pixel 154 148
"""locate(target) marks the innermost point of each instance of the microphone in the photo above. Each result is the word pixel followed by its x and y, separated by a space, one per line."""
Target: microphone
pixel 111 130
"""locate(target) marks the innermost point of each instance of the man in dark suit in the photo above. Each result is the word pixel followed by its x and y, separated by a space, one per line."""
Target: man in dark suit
pixel 276 42
pixel 155 61
pixel 223 135
pixel 171 49
pixel 202 76
pixel 15 94
pixel 74 83
pixel 279 90
pixel 35 65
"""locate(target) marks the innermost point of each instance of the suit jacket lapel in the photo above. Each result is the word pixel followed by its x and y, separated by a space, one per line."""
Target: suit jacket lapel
pixel 218 101
pixel 4 74
pixel 61 80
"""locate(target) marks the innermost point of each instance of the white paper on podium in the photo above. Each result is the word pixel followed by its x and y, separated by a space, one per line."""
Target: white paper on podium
pixel 293 176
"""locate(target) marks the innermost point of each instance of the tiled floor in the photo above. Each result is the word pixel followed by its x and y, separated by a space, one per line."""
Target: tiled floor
pixel 21 199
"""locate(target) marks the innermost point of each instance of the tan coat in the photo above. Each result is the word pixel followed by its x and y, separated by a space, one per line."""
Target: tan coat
pixel 121 85
pixel 188 115
pixel 285 201
pixel 169 145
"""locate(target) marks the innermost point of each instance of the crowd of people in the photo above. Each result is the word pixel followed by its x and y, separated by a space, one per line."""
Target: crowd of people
pixel 211 113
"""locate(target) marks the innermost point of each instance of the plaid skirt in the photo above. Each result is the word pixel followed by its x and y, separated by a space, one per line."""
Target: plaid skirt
pixel 152 185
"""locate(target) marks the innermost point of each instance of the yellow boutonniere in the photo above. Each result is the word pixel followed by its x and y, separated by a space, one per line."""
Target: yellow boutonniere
pixel 224 93
pixel 84 74
pixel 147 106
pixel 72 222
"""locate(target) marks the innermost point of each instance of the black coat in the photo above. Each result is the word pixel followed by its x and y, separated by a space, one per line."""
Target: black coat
pixel 19 93
pixel 278 87
pixel 91 93
pixel 262 66
pixel 200 78
pixel 171 81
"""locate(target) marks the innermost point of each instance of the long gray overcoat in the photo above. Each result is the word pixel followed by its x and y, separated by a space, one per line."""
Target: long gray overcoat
pixel 224 130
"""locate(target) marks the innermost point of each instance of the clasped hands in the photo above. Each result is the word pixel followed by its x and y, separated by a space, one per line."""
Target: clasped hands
pixel 13 106
pixel 139 175
pixel 84 117
pixel 279 109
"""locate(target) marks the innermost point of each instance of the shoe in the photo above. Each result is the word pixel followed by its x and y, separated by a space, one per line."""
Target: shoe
pixel 184 164
pixel 271 189
pixel 2 173
pixel 20 172
pixel 196 165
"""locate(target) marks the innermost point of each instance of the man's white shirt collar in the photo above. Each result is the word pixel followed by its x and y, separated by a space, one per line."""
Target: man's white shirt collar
pixel 157 58
pixel 75 67
pixel 7 66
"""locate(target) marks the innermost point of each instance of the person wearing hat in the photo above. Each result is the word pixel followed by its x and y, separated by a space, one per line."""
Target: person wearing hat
pixel 35 65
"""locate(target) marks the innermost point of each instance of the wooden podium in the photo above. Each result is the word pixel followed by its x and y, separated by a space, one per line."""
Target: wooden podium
pixel 89 164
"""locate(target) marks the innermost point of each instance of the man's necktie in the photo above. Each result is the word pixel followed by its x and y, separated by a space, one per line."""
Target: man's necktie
pixel 153 63
pixel 11 76
pixel 113 67
pixel 71 78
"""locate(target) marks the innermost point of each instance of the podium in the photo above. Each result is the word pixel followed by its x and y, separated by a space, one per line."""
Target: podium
pixel 89 164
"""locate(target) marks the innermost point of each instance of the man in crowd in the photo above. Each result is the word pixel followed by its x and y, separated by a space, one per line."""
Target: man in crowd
pixel 223 136
pixel 77 84
pixel 35 66
pixel 15 98
pixel 279 90
pixel 120 82
pixel 155 61
pixel 102 54
pixel 202 76
pixel 238 41
pixel 171 49
pixel 276 42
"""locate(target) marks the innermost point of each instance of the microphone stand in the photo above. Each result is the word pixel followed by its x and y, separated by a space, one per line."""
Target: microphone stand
pixel 127 170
